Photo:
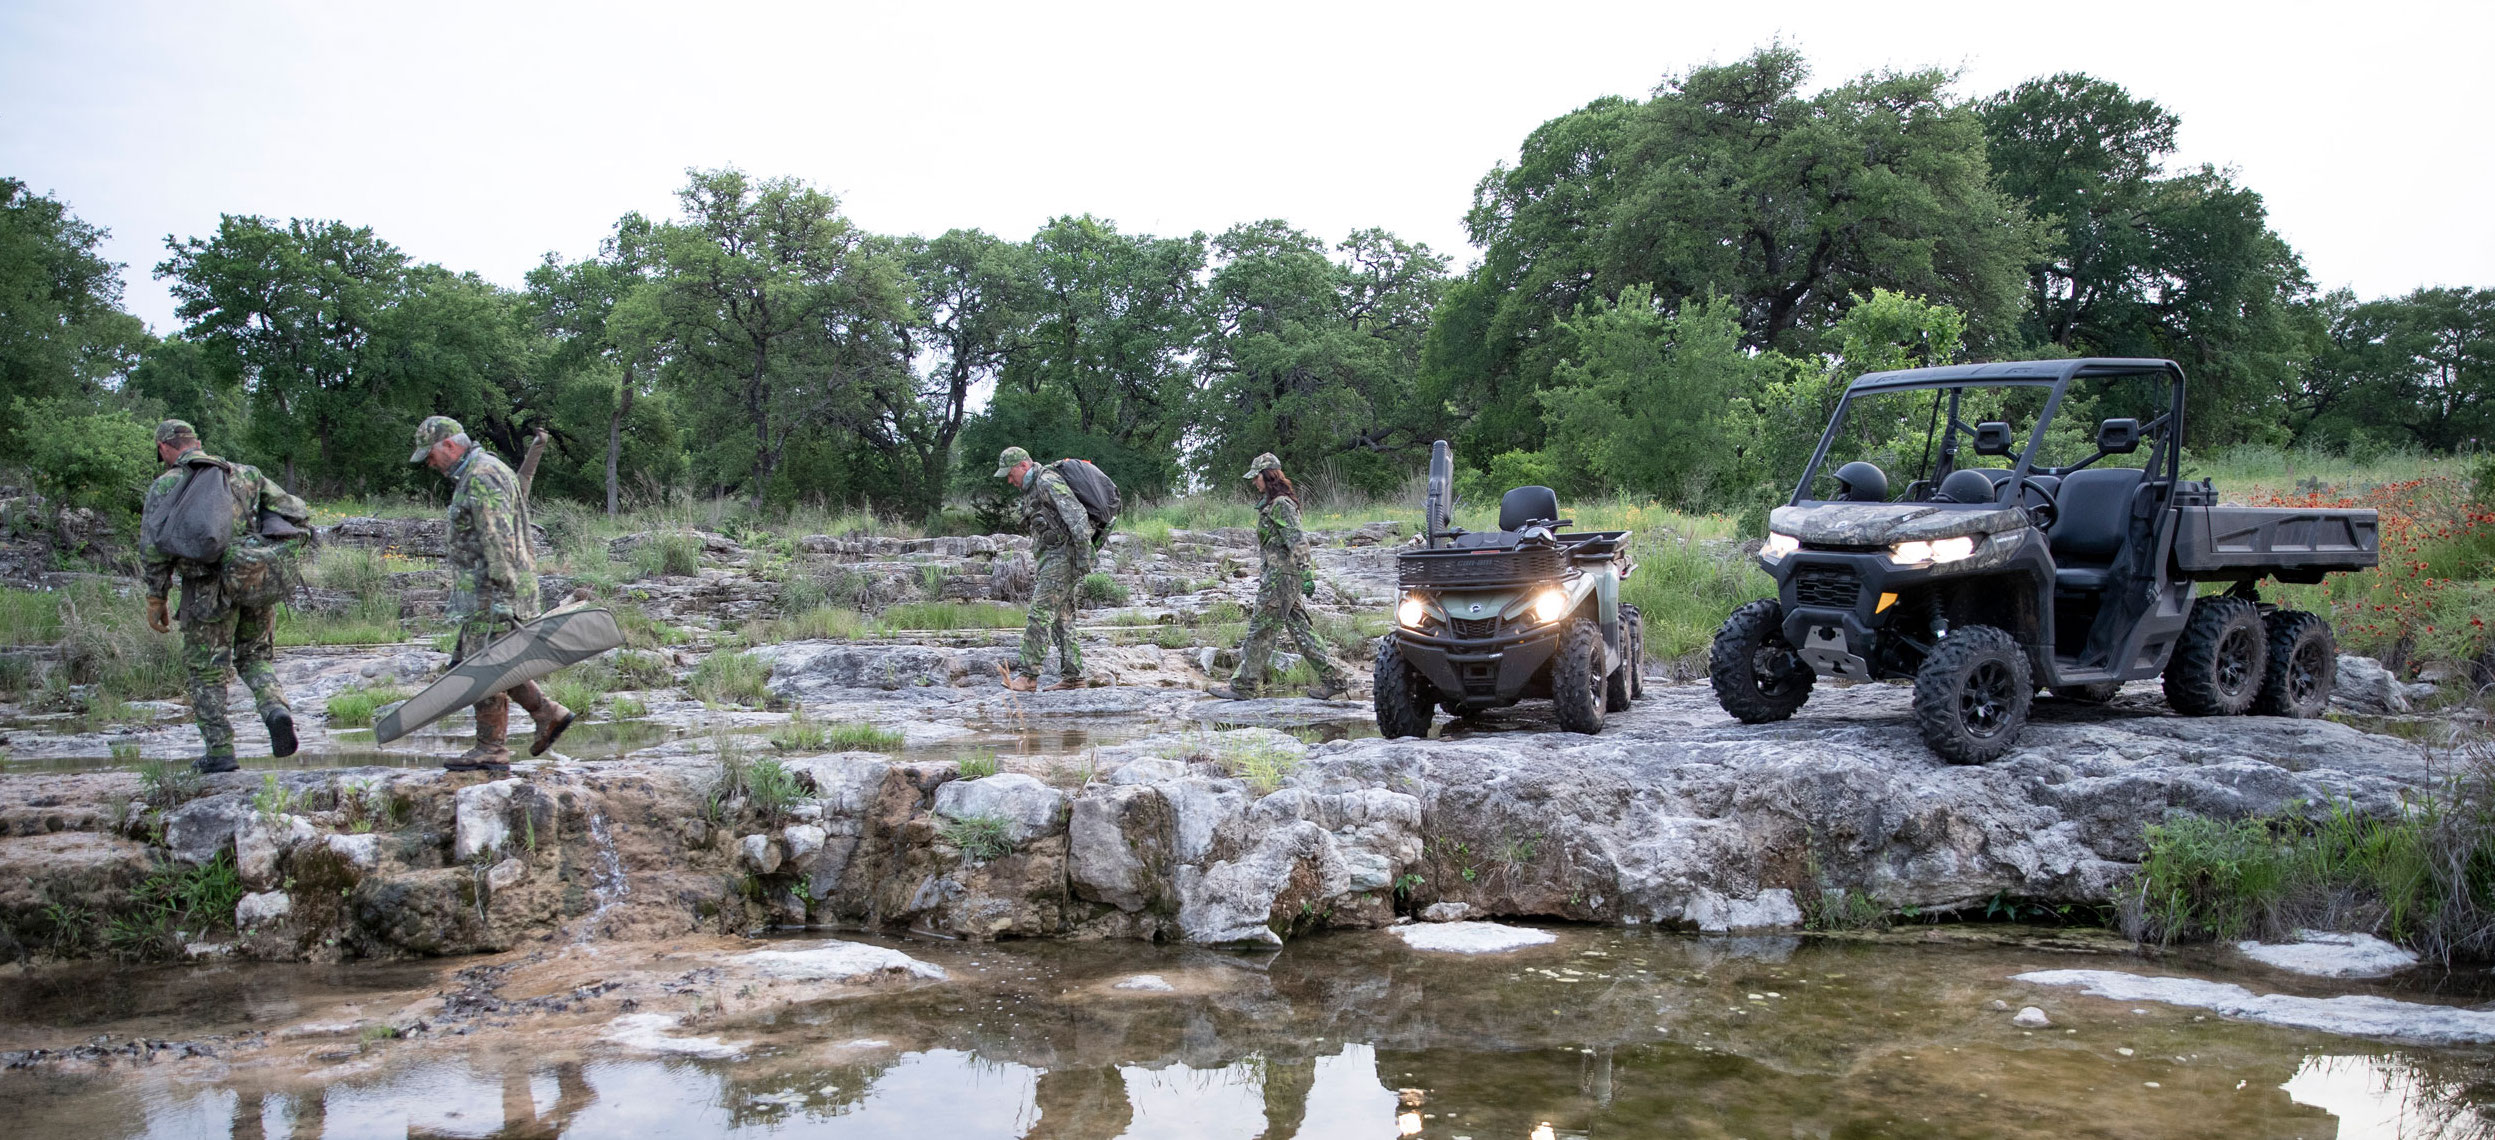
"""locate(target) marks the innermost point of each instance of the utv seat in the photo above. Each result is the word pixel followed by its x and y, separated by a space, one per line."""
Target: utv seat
pixel 1526 506
pixel 2095 518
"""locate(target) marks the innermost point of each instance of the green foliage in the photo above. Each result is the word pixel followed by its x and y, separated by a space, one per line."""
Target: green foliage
pixel 771 789
pixel 729 677
pixel 858 736
pixel 1102 590
pixel 634 669
pixel 675 553
pixel 171 898
pixel 1624 413
pixel 800 734
pixel 83 456
pixel 627 708
pixel 1260 760
pixel 63 333
pixel 581 686
pixel 355 707
pixel 167 784
pixel 979 837
pixel 976 765
pixel 273 799
pixel 951 615
pixel 296 627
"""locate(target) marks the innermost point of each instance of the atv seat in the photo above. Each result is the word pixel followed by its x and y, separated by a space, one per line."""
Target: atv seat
pixel 2095 518
pixel 1526 506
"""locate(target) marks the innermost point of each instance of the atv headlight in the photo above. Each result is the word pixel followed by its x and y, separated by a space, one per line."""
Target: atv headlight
pixel 1934 552
pixel 1779 545
pixel 1550 606
pixel 1412 612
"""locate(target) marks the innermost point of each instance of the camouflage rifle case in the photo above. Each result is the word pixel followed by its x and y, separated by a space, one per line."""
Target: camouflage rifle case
pixel 538 647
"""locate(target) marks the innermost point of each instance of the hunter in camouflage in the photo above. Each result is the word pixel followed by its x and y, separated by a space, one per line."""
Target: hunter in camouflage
pixel 493 583
pixel 229 609
pixel 1286 580
pixel 1061 550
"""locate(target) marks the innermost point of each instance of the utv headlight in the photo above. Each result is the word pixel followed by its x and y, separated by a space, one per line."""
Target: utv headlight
pixel 1935 552
pixel 1550 606
pixel 1779 545
pixel 1412 612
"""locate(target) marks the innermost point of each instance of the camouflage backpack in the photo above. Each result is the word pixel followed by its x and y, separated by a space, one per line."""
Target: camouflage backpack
pixel 261 569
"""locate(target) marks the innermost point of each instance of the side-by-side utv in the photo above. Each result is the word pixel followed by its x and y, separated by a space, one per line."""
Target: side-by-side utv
pixel 1490 618
pixel 1996 574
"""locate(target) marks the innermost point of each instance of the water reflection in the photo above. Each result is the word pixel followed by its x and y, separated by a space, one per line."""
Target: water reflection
pixel 1603 1034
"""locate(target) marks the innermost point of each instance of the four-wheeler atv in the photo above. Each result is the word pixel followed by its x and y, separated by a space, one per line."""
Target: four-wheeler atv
pixel 1984 584
pixel 1489 618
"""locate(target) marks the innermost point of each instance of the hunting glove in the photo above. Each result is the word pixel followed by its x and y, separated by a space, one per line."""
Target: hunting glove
pixel 156 616
pixel 1308 583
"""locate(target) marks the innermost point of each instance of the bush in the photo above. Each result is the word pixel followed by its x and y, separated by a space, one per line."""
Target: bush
pixel 637 670
pixel 980 837
pixel 86 458
pixel 730 677
pixel 1102 590
pixel 581 686
pixel 976 765
pixel 674 553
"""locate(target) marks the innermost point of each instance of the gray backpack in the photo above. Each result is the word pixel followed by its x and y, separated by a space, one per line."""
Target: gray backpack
pixel 196 521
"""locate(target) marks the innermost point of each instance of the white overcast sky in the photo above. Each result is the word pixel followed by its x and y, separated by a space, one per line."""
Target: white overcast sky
pixel 483 135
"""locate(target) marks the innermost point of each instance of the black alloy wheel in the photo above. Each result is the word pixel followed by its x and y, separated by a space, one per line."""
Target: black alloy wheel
pixel 1756 675
pixel 1972 694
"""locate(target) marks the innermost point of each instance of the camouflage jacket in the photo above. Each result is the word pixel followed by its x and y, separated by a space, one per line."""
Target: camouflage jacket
pixel 1279 539
pixel 253 493
pixel 492 571
pixel 1054 518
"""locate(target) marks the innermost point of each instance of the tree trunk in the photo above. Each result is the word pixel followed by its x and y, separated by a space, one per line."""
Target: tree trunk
pixel 528 463
pixel 615 441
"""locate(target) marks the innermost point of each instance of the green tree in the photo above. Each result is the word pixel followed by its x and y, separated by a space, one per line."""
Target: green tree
pixel 1639 407
pixel 780 313
pixel 2418 369
pixel 182 376
pixel 1314 358
pixel 601 315
pixel 62 329
pixel 2144 263
pixel 971 294
pixel 1103 372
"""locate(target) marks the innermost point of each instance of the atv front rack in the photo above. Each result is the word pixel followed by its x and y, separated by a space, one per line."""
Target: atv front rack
pixel 1492 567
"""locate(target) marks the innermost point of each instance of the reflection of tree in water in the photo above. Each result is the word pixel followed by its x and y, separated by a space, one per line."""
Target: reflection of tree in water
pixel 820 1091
pixel 1080 1104
pixel 520 1118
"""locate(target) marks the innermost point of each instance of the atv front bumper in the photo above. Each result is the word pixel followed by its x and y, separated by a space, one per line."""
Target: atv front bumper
pixel 1481 672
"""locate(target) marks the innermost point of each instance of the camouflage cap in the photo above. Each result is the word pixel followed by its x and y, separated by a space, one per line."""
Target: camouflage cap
pixel 176 431
pixel 434 430
pixel 1009 459
pixel 1261 464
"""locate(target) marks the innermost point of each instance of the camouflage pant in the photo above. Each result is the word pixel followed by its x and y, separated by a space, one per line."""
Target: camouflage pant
pixel 1279 614
pixel 1053 584
pixel 242 639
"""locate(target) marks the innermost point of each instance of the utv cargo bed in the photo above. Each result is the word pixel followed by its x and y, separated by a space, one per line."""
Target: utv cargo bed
pixel 2288 543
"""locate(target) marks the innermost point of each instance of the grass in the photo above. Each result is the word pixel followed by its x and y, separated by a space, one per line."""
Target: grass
pixel 980 837
pixel 358 627
pixel 627 708
pixel 951 616
pixel 1102 590
pixel 1260 760
pixel 976 765
pixel 2425 878
pixel 580 687
pixel 730 677
pixel 355 707
pixel 800 735
pixel 674 553
pixel 858 736
pixel 835 623
pixel 167 784
pixel 174 898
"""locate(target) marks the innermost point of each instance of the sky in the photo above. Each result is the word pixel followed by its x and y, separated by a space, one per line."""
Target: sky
pixel 483 136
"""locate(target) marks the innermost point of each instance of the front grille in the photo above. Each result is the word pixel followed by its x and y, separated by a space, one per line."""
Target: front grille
pixel 1475 629
pixel 1459 568
pixel 1831 587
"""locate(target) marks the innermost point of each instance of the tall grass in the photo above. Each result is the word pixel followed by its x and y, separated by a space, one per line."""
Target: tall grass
pixel 2425 877
pixel 354 708
pixel 729 677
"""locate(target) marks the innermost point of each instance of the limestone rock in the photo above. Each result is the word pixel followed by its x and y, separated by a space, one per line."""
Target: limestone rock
pixel 1240 902
pixel 837 961
pixel 362 852
pixel 1119 847
pixel 1446 912
pixel 756 853
pixel 198 831
pixel 1028 807
pixel 2350 1014
pixel 262 841
pixel 804 841
pixel 507 874
pixel 1149 983
pixel 2365 686
pixel 2030 1017
pixel 1772 909
pixel 2325 954
pixel 262 908
pixel 1472 937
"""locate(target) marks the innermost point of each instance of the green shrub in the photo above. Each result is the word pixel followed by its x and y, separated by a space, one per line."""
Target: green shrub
pixel 1258 759
pixel 33 617
pixel 358 570
pixel 167 784
pixel 951 616
pixel 581 686
pixel 354 708
pixel 771 789
pixel 1102 590
pixel 800 735
pixel 858 736
pixel 976 765
pixel 355 628
pixel 822 623
pixel 676 554
pixel 980 837
pixel 87 458
pixel 627 708
pixel 633 669
pixel 729 677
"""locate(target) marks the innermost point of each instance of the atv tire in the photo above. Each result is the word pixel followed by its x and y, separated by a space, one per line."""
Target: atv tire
pixel 1616 682
pixel 1972 694
pixel 1756 675
pixel 1404 700
pixel 1633 631
pixel 2095 694
pixel 2219 666
pixel 2303 666
pixel 1578 689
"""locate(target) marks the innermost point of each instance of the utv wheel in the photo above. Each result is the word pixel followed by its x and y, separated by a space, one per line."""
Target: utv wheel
pixel 1633 632
pixel 2095 694
pixel 1403 699
pixel 1577 687
pixel 2303 666
pixel 1616 682
pixel 1756 675
pixel 2219 665
pixel 1972 693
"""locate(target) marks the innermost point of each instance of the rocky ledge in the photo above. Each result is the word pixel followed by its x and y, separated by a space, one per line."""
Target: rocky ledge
pixel 1675 816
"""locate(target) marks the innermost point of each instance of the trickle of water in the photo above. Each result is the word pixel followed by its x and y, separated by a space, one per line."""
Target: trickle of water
pixel 610 885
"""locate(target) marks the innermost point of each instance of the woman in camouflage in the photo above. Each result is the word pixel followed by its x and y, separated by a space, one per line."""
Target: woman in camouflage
pixel 1281 589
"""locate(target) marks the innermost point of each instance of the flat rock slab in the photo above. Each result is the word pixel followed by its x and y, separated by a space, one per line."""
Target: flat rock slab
pixel 837 961
pixel 1472 937
pixel 2352 1015
pixel 2323 954
pixel 648 1032
pixel 1154 983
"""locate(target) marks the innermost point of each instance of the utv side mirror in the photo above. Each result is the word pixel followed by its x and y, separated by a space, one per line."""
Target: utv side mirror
pixel 2118 436
pixel 1992 438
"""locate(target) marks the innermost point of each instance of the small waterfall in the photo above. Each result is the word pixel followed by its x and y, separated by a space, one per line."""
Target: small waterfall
pixel 611 885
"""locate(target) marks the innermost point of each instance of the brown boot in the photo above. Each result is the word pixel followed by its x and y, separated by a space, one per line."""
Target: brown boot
pixel 1065 683
pixel 551 717
pixel 1021 684
pixel 493 729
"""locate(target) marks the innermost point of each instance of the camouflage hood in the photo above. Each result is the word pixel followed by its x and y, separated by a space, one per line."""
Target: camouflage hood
pixel 1879 524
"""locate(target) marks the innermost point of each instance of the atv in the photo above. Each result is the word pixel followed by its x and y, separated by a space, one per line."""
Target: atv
pixel 1490 618
pixel 1989 580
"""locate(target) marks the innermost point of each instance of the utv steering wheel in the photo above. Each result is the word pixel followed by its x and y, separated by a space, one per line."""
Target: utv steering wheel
pixel 2044 512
